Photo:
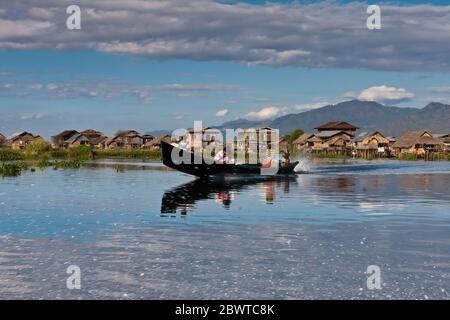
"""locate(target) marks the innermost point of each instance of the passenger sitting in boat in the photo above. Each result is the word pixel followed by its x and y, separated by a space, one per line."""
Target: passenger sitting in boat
pixel 221 157
pixel 272 161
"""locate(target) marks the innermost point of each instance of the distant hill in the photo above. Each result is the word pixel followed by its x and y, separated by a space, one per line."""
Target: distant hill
pixel 239 123
pixel 158 133
pixel 369 116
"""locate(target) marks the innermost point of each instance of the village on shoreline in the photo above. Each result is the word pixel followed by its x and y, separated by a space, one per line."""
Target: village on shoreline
pixel 335 139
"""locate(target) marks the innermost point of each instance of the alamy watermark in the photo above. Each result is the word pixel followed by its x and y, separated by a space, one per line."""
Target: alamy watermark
pixel 73 21
pixel 374 20
pixel 374 278
pixel 74 280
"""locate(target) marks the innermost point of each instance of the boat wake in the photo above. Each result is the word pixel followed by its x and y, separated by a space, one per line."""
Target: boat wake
pixel 304 165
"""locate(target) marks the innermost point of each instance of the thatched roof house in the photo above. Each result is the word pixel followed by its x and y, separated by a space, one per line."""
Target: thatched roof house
pixel 372 145
pixel 339 142
pixel 338 126
pixel 95 137
pixel 316 144
pixel 445 138
pixel 328 141
pixel 100 143
pixel 59 139
pixel 22 139
pixel 302 139
pixel 375 140
pixel 92 135
pixel 147 137
pixel 76 141
pixel 324 135
pixel 129 139
pixel 301 143
pixel 417 142
pixel 155 144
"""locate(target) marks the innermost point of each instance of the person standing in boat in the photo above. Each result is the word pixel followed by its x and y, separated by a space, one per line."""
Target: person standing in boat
pixel 286 157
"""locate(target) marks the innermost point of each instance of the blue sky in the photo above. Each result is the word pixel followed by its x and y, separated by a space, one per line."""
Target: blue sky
pixel 219 70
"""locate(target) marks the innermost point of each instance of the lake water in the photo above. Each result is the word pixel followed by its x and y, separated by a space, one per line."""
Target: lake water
pixel 138 230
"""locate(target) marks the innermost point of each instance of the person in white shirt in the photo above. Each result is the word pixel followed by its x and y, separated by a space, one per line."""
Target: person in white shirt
pixel 222 158
pixel 183 145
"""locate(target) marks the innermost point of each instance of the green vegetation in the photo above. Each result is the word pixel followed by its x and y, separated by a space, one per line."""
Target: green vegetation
pixel 38 148
pixel 41 150
pixel 128 154
pixel 41 164
pixel 325 155
pixel 14 169
pixel 10 169
pixel 59 154
pixel 426 157
pixel 81 153
pixel 408 157
pixel 68 164
pixel 11 155
pixel 291 137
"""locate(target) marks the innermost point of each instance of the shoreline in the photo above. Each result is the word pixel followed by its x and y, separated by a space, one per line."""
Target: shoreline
pixel 13 161
pixel 14 168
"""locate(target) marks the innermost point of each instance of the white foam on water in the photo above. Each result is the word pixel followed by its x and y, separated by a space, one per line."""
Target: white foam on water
pixel 304 165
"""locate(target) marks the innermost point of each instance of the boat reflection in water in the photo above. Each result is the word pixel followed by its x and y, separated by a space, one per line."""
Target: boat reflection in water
pixel 224 190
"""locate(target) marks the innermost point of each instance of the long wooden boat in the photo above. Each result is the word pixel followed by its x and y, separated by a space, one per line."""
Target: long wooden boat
pixel 199 168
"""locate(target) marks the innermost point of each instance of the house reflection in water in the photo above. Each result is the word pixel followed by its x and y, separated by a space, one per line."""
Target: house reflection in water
pixel 184 198
pixel 269 189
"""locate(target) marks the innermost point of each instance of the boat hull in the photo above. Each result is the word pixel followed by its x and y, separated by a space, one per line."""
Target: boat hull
pixel 199 168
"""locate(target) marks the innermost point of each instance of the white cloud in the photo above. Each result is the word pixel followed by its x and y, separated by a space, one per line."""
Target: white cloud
pixel 385 94
pixel 109 89
pixel 41 13
pixel 264 113
pixel 271 112
pixel 51 86
pixel 32 116
pixel 322 34
pixel 15 30
pixel 222 113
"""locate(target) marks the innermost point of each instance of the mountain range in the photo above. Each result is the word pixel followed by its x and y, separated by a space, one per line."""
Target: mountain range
pixel 367 115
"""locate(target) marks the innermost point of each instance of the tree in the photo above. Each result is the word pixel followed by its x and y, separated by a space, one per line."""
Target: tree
pixel 291 137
